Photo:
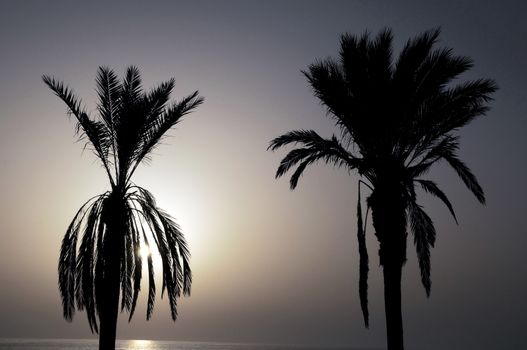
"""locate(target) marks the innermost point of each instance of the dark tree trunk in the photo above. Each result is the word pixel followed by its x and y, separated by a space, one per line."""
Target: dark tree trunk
pixel 109 307
pixel 392 306
pixel 389 220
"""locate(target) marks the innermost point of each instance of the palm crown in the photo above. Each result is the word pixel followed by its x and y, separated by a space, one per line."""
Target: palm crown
pixel 130 123
pixel 397 119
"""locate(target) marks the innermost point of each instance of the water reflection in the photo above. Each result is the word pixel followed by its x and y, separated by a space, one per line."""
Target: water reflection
pixel 139 345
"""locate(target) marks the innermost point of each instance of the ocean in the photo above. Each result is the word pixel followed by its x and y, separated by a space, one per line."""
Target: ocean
pixel 92 344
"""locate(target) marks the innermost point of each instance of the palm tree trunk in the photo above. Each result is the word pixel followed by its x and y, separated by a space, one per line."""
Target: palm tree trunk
pixel 109 310
pixel 110 307
pixel 389 221
pixel 392 306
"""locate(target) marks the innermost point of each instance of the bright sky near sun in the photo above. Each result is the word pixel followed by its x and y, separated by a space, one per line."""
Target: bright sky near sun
pixel 270 265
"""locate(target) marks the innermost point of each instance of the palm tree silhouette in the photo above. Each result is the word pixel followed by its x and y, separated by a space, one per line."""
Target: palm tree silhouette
pixel 397 119
pixel 116 224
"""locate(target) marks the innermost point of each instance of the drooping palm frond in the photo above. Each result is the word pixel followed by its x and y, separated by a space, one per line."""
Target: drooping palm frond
pixel 315 148
pixel 68 258
pixel 80 266
pixel 432 188
pixel 424 239
pixel 138 264
pixel 447 149
pixel 466 176
pixel 173 249
pixel 128 259
pixel 151 284
pixel 363 260
pixel 86 264
pixel 425 153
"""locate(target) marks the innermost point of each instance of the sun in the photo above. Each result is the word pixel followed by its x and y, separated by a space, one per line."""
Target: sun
pixel 145 251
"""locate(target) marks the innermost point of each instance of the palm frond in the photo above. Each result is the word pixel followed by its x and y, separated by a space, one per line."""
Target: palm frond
pixel 294 157
pixel 160 124
pixel 330 87
pixel 109 90
pixel 438 69
pixel 140 231
pixel 148 212
pixel 424 238
pixel 379 61
pixel 68 260
pixel 151 284
pixel 354 54
pixel 363 262
pixel 157 99
pixel 180 256
pixel 432 150
pixel 132 85
pixel 85 277
pixel 127 263
pixel 432 188
pixel 100 258
pixel 466 176
pixel 461 104
pixel 138 263
pixel 412 56
pixel 427 152
pixel 145 114
pixel 173 249
pixel 303 137
pixel 96 132
pixel 316 148
pixel 293 181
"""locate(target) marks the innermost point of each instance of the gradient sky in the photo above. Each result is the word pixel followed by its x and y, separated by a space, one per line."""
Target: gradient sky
pixel 270 265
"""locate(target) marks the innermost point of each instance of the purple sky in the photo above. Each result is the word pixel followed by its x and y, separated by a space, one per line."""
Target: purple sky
pixel 270 265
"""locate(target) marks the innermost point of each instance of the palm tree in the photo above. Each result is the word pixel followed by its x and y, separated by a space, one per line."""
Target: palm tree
pixel 397 119
pixel 105 263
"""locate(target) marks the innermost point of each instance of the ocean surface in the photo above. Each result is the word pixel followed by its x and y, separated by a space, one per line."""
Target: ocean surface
pixel 92 344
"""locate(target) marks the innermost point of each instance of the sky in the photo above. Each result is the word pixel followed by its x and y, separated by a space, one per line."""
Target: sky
pixel 270 265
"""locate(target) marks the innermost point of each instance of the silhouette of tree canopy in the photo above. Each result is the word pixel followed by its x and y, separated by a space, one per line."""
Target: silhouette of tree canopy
pixel 100 254
pixel 397 118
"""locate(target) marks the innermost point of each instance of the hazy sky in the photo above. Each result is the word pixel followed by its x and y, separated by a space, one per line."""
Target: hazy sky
pixel 270 265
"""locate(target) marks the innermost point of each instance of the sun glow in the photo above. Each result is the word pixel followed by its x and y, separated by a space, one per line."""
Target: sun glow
pixel 145 251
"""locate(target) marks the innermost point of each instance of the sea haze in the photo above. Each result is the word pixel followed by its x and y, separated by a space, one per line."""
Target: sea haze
pixel 92 344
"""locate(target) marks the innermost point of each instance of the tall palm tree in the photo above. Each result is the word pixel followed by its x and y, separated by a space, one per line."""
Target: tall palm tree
pixel 105 263
pixel 397 119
